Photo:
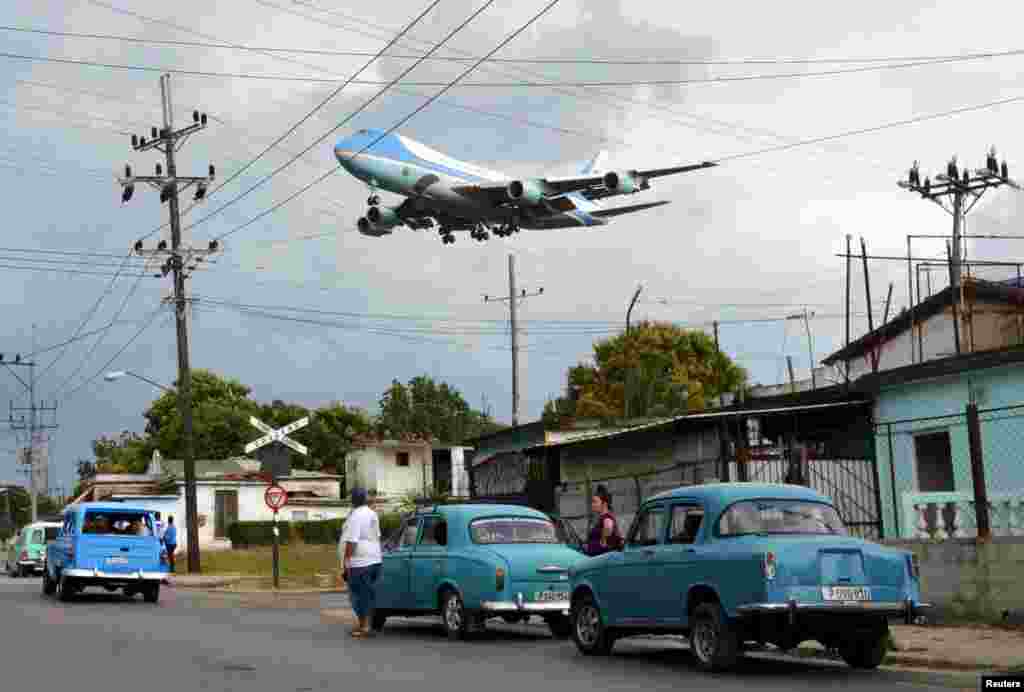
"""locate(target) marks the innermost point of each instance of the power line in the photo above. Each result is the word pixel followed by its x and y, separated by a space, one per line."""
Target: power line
pixel 644 62
pixel 80 337
pixel 521 84
pixel 62 270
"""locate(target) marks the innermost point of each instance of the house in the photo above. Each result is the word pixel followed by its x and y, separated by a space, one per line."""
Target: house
pixel 990 316
pixel 389 468
pixel 923 450
pixel 226 491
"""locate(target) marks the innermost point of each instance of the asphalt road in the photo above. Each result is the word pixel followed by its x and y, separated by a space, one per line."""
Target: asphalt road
pixel 196 641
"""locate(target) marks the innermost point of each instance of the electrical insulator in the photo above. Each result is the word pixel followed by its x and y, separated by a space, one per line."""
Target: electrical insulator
pixel 200 192
pixel 165 193
pixel 159 169
pixel 138 246
pixel 142 141
pixel 203 119
pixel 127 193
pixel 1005 171
pixel 214 245
pixel 213 172
pixel 195 116
pixel 17 358
pixel 162 245
pixel 153 133
pixel 135 140
pixel 127 171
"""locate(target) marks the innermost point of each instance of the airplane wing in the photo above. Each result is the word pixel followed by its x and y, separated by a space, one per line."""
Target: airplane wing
pixel 590 186
pixel 618 211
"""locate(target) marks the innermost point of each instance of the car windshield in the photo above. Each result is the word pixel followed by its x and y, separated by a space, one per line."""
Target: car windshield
pixel 117 524
pixel 780 517
pixel 513 530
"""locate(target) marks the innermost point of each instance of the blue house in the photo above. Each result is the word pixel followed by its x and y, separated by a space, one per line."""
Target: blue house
pixel 922 445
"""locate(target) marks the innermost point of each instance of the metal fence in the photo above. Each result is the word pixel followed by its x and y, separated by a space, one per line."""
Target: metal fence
pixel 936 472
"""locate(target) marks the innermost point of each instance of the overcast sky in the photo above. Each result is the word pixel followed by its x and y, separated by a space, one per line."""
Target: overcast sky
pixel 755 238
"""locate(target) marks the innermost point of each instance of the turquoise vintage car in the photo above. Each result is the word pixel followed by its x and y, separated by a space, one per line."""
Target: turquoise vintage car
pixel 731 563
pixel 27 553
pixel 474 562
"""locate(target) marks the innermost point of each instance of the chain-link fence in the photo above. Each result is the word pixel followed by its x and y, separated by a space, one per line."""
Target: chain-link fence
pixel 936 471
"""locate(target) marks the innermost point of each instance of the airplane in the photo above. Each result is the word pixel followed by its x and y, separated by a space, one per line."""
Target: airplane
pixel 455 195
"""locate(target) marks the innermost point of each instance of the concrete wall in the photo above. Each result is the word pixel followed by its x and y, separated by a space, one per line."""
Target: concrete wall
pixel 377 469
pixel 965 580
pixel 1002 436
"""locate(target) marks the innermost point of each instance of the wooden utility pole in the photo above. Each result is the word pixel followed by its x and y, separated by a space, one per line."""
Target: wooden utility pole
pixel 848 259
pixel 629 365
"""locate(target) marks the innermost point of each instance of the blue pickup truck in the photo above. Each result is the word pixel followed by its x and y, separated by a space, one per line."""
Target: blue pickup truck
pixel 108 545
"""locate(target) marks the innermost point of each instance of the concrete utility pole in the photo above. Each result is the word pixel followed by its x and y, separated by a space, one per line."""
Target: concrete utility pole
pixel 629 371
pixel 959 187
pixel 168 140
pixel 513 299
pixel 31 460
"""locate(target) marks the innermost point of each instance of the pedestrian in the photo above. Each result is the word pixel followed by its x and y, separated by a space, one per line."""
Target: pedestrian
pixel 361 559
pixel 170 541
pixel 604 535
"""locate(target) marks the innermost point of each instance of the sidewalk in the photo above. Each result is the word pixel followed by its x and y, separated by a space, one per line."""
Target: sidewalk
pixel 246 584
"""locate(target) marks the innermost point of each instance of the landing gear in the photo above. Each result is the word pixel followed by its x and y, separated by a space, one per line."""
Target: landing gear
pixel 447 238
pixel 373 200
pixel 507 229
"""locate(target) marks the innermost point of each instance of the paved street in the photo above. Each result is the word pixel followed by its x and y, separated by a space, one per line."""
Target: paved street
pixel 197 641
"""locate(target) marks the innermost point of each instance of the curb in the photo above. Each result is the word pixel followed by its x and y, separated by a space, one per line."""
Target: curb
pixel 894 660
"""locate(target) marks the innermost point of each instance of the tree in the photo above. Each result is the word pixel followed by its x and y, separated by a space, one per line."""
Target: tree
pixel 428 409
pixel 16 504
pixel 663 370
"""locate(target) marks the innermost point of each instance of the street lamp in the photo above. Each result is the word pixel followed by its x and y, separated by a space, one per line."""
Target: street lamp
pixel 118 374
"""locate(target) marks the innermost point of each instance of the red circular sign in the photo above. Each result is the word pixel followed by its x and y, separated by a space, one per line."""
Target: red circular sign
pixel 276 497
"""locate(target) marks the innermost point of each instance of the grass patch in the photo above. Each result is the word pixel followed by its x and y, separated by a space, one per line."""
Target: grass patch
pixel 299 563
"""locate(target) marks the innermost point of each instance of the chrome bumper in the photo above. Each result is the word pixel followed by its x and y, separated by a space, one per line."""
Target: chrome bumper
pixel 907 609
pixel 34 564
pixel 522 607
pixel 138 575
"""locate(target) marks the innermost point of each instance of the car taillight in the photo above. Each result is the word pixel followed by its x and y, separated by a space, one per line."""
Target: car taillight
pixel 915 565
pixel 24 554
pixel 769 565
pixel 499 579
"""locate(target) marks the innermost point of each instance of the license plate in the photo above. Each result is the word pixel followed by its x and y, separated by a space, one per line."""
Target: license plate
pixel 849 594
pixel 548 596
pixel 117 561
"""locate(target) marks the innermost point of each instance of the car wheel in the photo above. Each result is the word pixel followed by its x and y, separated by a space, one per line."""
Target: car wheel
pixel 866 651
pixel 65 589
pixel 454 615
pixel 588 630
pixel 713 641
pixel 151 594
pixel 560 626
pixel 49 586
pixel 378 620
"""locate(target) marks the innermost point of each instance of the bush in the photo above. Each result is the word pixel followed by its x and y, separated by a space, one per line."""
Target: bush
pixel 244 534
pixel 319 532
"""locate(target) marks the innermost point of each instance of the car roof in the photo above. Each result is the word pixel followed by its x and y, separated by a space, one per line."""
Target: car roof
pixel 470 511
pixel 726 493
pixel 44 525
pixel 106 507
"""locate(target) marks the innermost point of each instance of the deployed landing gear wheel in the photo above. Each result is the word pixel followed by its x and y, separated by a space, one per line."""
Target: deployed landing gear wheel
pixel 588 630
pixel 713 641
pixel 373 200
pixel 447 239
pixel 866 651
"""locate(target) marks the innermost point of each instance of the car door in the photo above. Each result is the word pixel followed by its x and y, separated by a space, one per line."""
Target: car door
pixel 393 586
pixel 634 583
pixel 678 560
pixel 429 559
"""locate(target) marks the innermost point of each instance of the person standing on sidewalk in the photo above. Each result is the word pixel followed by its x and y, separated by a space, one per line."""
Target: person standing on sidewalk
pixel 605 535
pixel 361 559
pixel 170 541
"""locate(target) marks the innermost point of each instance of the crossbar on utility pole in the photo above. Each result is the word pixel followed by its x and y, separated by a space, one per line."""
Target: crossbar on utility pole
pixel 513 300
pixel 168 140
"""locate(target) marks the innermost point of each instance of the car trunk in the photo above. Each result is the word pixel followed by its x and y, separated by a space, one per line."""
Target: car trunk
pixel 118 554
pixel 836 561
pixel 532 562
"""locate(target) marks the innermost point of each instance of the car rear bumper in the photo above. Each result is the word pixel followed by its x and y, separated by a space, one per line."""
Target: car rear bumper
pixel 905 609
pixel 99 575
pixel 549 607
pixel 37 565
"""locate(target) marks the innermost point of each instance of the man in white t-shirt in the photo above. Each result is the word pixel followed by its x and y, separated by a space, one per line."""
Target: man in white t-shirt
pixel 361 559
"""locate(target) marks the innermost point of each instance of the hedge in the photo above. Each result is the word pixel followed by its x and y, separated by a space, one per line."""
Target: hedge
pixel 244 534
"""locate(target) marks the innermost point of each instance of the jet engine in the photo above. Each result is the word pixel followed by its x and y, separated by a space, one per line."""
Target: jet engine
pixel 622 182
pixel 367 228
pixel 529 192
pixel 384 217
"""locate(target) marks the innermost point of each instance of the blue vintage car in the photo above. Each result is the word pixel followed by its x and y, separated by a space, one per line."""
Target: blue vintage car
pixel 732 563
pixel 473 562
pixel 110 545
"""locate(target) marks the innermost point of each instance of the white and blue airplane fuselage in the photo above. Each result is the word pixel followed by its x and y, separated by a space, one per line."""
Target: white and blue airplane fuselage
pixel 460 196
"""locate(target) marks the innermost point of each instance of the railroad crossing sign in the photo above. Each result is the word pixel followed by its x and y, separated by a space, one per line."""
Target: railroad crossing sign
pixel 279 435
pixel 276 497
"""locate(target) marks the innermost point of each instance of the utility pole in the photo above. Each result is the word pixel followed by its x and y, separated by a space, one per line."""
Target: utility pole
pixel 180 262
pixel 629 370
pixel 958 186
pixel 805 316
pixel 792 378
pixel 33 426
pixel 848 258
pixel 513 300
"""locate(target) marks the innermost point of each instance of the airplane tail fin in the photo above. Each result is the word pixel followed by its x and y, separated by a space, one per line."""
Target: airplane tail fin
pixel 593 167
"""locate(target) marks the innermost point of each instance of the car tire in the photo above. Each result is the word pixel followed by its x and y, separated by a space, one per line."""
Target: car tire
pixel 378 619
pixel 453 614
pixel 713 640
pixel 151 594
pixel 866 652
pixel 560 626
pixel 65 589
pixel 588 630
pixel 49 586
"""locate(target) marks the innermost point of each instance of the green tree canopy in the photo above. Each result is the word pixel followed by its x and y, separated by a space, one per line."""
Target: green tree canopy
pixel 668 370
pixel 428 409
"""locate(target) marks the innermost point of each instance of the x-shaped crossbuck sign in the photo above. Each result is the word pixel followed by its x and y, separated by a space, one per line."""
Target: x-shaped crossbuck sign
pixel 279 435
